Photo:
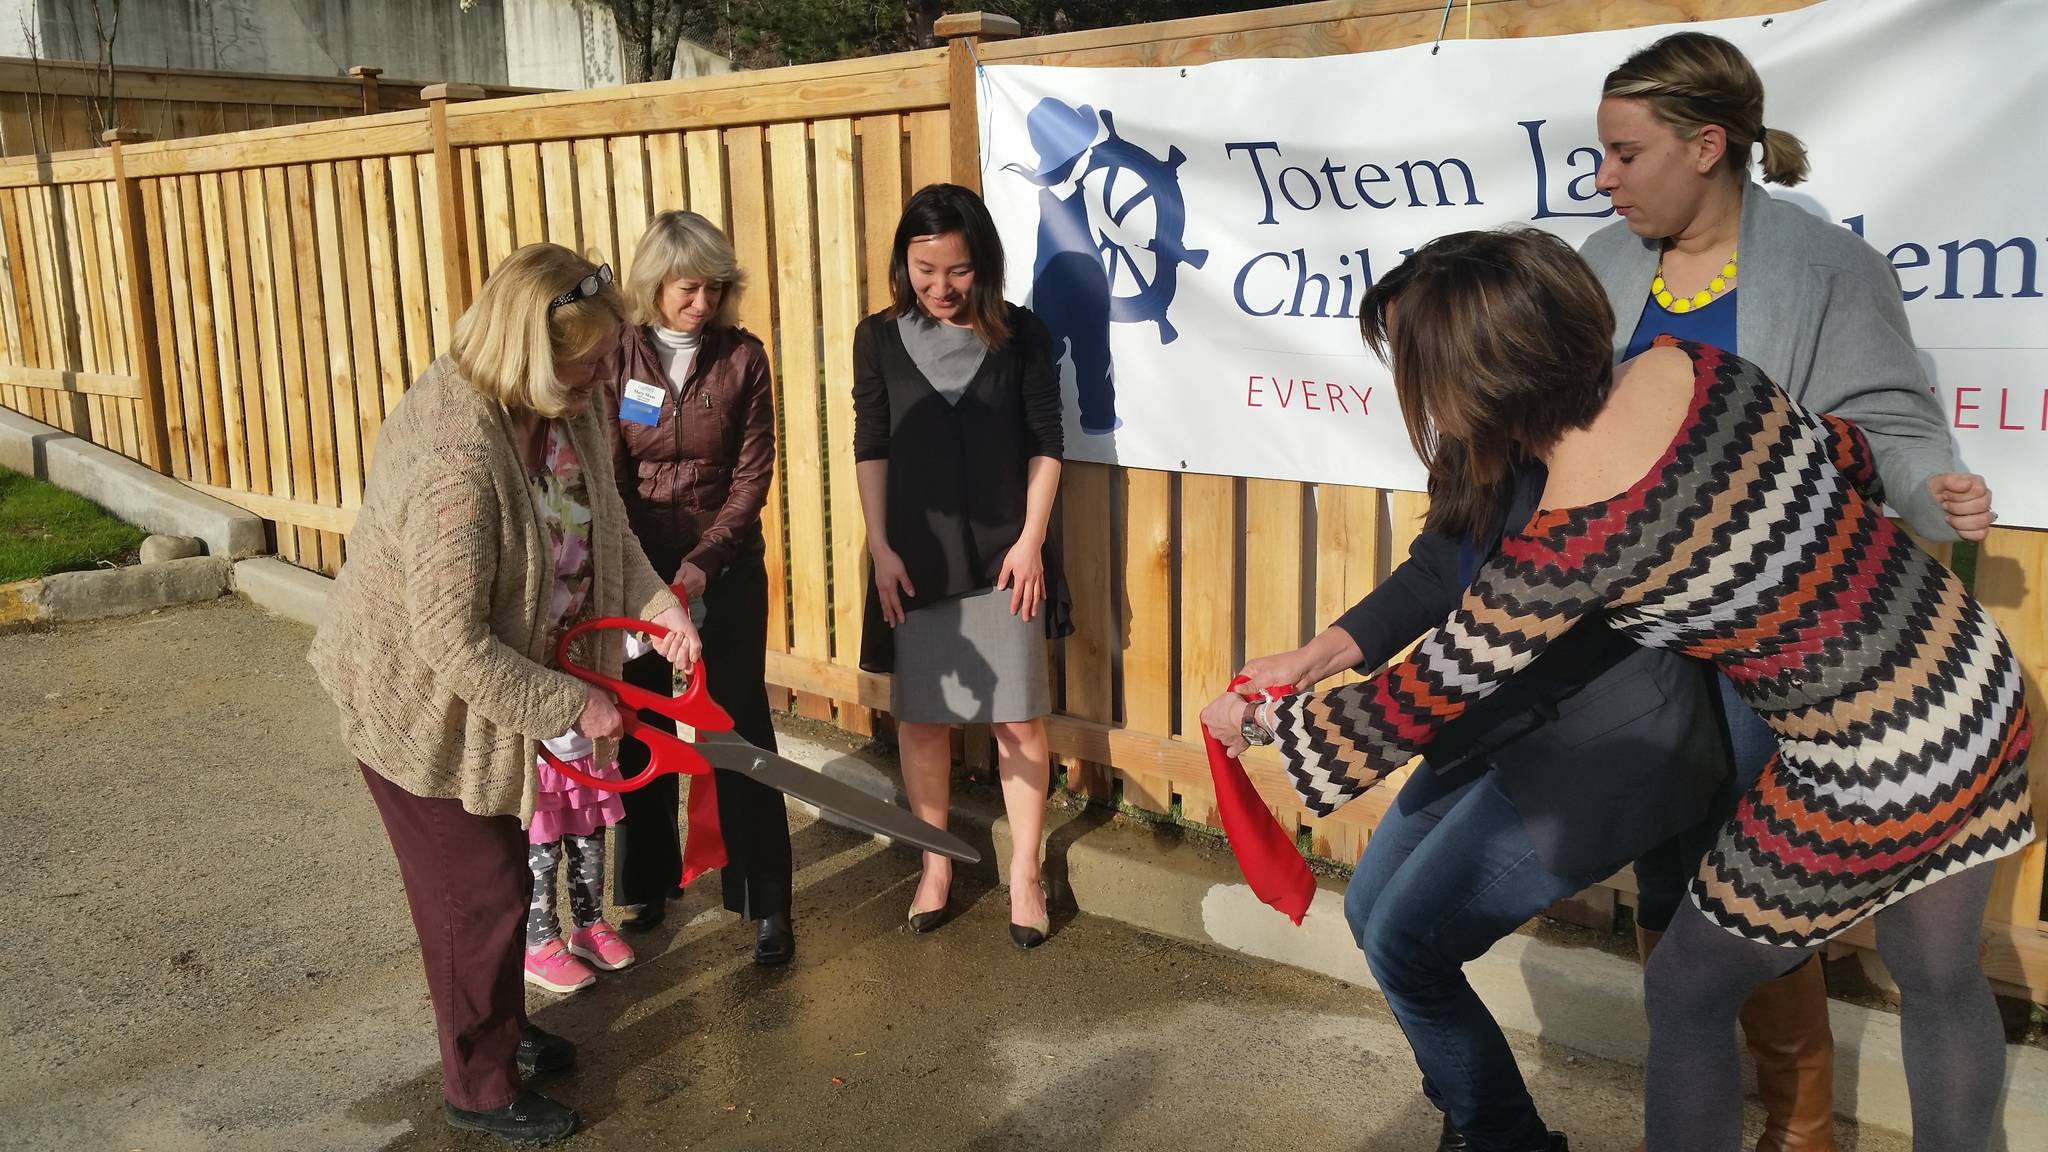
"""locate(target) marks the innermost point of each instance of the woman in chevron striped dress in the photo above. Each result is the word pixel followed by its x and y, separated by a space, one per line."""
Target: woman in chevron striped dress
pixel 1698 508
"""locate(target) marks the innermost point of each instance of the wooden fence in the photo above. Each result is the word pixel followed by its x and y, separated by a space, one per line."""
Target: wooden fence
pixel 243 310
pixel 52 105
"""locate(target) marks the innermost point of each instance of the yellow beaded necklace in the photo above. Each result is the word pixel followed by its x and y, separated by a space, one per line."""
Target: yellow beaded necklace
pixel 1682 305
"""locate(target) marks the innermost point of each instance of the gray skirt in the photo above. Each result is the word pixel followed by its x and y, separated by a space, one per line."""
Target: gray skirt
pixel 969 661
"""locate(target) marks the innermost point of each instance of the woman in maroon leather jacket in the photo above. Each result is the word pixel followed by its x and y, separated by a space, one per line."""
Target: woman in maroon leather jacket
pixel 696 450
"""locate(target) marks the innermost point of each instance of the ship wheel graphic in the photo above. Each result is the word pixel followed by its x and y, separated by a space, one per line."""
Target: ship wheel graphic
pixel 1142 275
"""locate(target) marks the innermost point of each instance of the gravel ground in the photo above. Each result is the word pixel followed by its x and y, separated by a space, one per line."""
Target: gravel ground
pixel 211 951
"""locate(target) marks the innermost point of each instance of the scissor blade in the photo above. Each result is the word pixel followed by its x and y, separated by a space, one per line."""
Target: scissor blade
pixel 727 751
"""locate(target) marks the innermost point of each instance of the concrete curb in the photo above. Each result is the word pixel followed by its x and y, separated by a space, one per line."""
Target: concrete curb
pixel 68 596
pixel 22 441
pixel 129 490
pixel 283 589
pixel 1581 998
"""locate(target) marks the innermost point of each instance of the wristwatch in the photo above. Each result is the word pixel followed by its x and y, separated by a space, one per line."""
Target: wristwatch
pixel 1255 734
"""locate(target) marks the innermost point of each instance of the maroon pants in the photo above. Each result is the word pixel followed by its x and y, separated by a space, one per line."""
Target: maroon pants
pixel 467 884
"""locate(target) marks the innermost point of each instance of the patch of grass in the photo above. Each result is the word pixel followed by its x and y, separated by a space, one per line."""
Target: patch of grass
pixel 44 529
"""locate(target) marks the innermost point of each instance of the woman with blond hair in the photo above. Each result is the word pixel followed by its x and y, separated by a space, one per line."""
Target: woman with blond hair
pixel 695 411
pixel 438 648
pixel 1702 252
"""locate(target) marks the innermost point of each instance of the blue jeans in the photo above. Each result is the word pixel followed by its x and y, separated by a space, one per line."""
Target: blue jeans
pixel 1664 873
pixel 1448 872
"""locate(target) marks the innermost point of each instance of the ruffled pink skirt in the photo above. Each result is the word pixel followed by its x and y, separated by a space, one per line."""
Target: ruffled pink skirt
pixel 562 807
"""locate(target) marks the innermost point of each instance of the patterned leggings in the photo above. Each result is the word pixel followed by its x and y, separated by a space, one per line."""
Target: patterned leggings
pixel 586 886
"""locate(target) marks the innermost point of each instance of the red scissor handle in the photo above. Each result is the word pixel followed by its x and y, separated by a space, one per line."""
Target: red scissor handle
pixel 693 707
pixel 666 754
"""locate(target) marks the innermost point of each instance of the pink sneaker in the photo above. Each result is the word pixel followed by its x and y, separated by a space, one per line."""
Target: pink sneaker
pixel 600 945
pixel 551 967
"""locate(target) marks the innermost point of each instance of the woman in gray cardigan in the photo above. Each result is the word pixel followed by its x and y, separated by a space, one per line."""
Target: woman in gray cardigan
pixel 1703 253
pixel 480 535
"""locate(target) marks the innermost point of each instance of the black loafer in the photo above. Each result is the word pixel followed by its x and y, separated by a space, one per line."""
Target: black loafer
pixel 774 941
pixel 530 1118
pixel 542 1052
pixel 647 918
pixel 1453 1140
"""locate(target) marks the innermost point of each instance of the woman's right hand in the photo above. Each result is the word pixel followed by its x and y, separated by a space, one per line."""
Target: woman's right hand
pixel 892 583
pixel 600 719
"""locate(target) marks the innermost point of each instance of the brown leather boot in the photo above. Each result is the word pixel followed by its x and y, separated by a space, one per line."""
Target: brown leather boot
pixel 1786 1024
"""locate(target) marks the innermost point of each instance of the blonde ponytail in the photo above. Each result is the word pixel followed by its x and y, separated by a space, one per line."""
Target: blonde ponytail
pixel 1784 158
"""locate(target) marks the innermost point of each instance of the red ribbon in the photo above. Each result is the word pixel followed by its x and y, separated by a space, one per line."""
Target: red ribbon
pixel 1265 853
pixel 704 847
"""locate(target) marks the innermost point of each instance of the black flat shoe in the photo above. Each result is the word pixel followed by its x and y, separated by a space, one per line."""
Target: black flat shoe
pixel 1453 1140
pixel 542 1052
pixel 774 941
pixel 530 1118
pixel 647 918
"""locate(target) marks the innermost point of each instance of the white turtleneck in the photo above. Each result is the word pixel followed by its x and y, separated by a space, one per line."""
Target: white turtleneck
pixel 677 351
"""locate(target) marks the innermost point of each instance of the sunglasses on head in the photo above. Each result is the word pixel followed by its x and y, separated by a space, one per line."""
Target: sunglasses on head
pixel 585 288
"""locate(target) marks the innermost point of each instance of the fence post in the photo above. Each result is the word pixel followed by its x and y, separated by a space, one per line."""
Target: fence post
pixel 372 103
pixel 962 31
pixel 455 253
pixel 142 346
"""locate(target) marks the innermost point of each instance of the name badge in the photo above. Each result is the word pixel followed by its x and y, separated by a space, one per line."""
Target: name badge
pixel 641 403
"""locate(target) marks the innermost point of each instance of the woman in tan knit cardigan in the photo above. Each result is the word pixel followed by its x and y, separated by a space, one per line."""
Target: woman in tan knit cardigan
pixel 438 647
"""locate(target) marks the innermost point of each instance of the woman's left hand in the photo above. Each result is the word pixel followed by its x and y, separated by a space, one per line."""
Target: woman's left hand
pixel 681 647
pixel 1024 575
pixel 1224 719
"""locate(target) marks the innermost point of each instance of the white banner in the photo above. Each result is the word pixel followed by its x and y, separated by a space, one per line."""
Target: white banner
pixel 1198 238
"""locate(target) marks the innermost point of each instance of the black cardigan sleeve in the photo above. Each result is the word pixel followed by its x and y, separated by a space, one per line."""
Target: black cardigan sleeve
pixel 870 395
pixel 1414 598
pixel 1044 427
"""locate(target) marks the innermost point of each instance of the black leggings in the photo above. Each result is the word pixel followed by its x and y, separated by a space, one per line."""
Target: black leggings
pixel 1954 1044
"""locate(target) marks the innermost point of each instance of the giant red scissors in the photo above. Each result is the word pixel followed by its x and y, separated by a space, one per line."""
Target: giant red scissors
pixel 665 753
pixel 716 745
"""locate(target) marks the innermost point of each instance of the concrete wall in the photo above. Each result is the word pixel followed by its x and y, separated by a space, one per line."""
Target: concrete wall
pixel 575 44
pixel 530 43
pixel 560 44
pixel 413 39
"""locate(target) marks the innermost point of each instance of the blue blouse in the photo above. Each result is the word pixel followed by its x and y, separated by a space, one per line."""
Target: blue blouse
pixel 1713 324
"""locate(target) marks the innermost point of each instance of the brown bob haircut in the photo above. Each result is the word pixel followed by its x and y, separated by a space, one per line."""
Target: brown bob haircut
pixel 935 210
pixel 1500 342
